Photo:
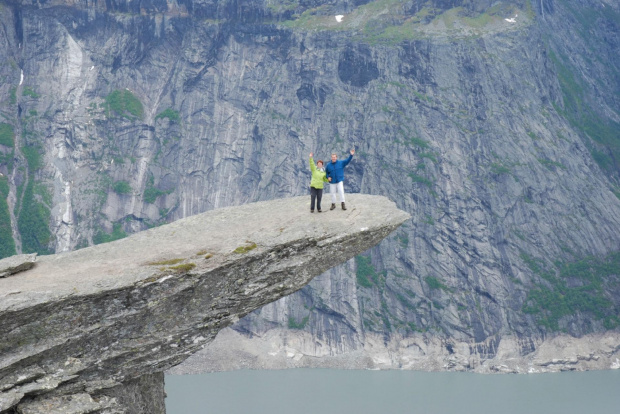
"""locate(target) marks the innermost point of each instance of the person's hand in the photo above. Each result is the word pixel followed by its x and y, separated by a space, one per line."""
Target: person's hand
pixel 311 154
pixel 329 179
pixel 352 151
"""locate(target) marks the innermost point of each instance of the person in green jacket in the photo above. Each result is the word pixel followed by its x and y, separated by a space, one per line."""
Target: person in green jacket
pixel 316 184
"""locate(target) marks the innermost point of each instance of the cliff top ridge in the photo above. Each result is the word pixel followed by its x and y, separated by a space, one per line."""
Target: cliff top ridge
pixel 198 243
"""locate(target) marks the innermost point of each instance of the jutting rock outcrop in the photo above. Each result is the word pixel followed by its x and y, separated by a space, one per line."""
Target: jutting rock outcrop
pixel 495 124
pixel 93 330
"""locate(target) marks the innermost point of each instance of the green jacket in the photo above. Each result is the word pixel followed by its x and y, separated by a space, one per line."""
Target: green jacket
pixel 318 177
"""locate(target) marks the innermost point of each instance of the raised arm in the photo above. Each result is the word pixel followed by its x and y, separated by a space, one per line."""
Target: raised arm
pixel 348 160
pixel 312 166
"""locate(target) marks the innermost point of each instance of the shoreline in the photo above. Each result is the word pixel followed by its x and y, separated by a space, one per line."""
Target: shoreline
pixel 283 349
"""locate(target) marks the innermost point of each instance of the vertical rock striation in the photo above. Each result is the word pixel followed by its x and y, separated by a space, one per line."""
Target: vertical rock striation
pixel 494 124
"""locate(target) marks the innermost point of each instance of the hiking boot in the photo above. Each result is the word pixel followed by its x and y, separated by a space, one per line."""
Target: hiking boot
pixel 319 210
pixel 312 211
pixel 343 207
pixel 333 206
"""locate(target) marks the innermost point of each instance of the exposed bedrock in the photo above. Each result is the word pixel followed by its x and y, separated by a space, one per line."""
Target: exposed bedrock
pixel 90 330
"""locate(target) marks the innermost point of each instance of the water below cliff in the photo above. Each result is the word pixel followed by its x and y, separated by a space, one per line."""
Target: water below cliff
pixel 349 391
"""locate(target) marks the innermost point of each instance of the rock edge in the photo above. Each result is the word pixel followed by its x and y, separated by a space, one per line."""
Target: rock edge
pixel 90 323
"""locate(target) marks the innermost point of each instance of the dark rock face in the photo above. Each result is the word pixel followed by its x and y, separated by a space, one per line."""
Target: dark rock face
pixel 356 67
pixel 499 137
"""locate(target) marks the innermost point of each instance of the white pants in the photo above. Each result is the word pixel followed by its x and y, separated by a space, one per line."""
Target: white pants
pixel 338 187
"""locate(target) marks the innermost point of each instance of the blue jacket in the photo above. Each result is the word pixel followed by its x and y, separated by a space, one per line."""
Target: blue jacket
pixel 335 170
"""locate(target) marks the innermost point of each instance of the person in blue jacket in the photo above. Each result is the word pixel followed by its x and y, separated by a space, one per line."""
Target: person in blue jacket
pixel 335 175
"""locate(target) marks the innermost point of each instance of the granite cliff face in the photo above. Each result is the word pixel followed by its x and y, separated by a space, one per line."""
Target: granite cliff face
pixel 494 124
pixel 93 330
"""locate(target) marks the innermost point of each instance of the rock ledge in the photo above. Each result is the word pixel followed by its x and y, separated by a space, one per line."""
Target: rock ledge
pixel 15 264
pixel 90 330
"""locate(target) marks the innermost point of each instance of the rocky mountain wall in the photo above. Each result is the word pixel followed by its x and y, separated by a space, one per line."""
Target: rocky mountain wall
pixel 494 124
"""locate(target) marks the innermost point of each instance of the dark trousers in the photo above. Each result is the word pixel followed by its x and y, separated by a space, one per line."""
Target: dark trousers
pixel 315 193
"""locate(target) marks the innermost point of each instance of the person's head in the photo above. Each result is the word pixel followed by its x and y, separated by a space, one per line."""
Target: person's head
pixel 334 157
pixel 319 163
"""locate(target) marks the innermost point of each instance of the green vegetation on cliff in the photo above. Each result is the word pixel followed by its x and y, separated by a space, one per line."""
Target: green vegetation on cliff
pixel 293 324
pixel 420 180
pixel 151 193
pixel 122 187
pixel 33 156
pixel 124 104
pixel 279 6
pixel 103 237
pixel 28 91
pixel 434 283
pixel 604 133
pixel 33 223
pixel 7 159
pixel 169 113
pixel 34 216
pixel 13 95
pixel 389 22
pixel 366 274
pixel 573 288
pixel 7 136
pixel 4 187
pixel 7 245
